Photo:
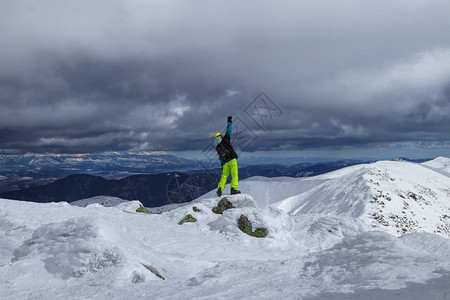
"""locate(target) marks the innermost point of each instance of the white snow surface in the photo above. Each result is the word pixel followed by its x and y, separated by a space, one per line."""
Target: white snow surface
pixel 106 201
pixel 395 197
pixel 324 242
pixel 439 164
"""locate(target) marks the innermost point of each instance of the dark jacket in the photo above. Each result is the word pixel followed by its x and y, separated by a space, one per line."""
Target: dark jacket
pixel 225 149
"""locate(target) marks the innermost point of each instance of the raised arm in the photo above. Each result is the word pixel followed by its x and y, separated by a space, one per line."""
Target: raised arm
pixel 229 126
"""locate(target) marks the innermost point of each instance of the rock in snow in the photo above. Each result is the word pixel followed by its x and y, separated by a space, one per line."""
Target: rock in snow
pixel 377 231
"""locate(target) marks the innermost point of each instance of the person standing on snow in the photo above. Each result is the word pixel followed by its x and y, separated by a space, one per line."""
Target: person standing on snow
pixel 228 160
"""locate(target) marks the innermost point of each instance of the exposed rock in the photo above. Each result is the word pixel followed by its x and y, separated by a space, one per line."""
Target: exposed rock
pixel 196 209
pixel 188 218
pixel 154 271
pixel 137 277
pixel 260 232
pixel 222 206
pixel 246 227
pixel 142 209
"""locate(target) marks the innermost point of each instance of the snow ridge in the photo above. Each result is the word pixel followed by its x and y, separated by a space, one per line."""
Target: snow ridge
pixel 395 197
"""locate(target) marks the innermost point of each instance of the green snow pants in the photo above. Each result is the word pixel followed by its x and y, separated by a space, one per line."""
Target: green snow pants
pixel 228 167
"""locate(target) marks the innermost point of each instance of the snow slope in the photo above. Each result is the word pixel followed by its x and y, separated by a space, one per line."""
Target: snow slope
pixel 395 197
pixel 270 190
pixel 324 243
pixel 441 164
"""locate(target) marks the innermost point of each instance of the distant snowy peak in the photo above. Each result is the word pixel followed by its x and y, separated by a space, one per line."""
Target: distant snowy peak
pixel 439 163
pixel 395 197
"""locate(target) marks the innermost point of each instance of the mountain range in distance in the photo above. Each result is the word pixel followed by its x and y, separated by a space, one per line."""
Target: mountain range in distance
pixel 152 190
pixel 155 190
pixel 30 170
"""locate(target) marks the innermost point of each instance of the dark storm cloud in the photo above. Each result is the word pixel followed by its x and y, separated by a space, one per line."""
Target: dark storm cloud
pixel 87 76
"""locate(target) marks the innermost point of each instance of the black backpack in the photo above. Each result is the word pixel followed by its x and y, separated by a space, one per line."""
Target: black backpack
pixel 224 153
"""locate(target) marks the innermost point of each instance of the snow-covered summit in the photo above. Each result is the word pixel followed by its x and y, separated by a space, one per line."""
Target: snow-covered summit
pixel 396 197
pixel 393 196
pixel 439 163
pixel 323 242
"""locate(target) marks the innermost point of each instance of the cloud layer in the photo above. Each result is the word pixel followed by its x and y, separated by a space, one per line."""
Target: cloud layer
pixel 83 76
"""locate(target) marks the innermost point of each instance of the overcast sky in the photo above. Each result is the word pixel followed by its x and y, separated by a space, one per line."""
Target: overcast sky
pixel 93 76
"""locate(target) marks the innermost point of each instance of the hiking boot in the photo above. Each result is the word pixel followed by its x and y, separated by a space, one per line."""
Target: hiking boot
pixel 234 192
pixel 219 192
